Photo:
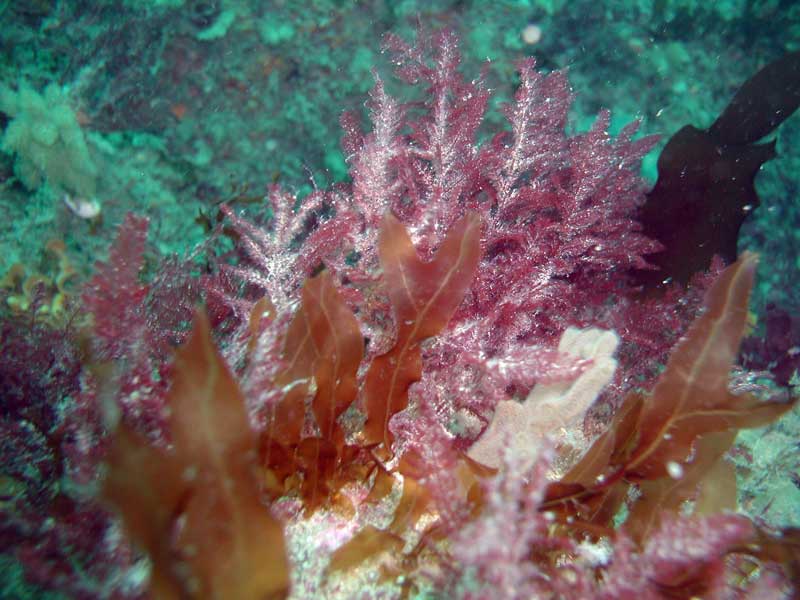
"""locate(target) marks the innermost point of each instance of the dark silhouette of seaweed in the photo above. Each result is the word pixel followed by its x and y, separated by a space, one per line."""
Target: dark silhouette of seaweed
pixel 705 189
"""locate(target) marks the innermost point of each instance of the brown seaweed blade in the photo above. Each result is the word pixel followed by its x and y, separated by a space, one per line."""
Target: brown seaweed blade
pixel 682 427
pixel 668 494
pixel 323 349
pixel 339 347
pixel 197 509
pixel 323 344
pixel 424 296
pixel 691 398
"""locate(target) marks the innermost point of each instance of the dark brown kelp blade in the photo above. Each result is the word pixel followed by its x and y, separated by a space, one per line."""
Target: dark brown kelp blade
pixel 705 185
pixel 765 101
